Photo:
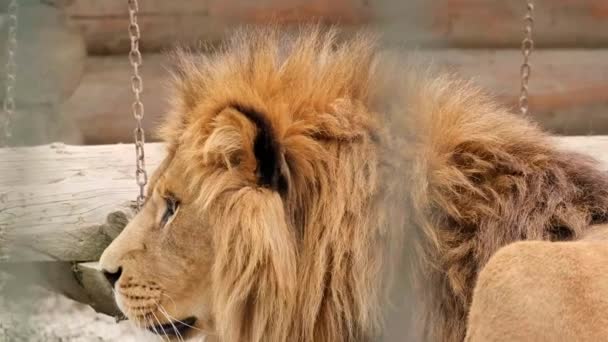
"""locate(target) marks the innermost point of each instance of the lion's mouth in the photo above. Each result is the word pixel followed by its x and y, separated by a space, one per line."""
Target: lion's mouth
pixel 174 328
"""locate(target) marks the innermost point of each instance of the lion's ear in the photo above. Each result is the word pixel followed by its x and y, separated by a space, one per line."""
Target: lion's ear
pixel 271 168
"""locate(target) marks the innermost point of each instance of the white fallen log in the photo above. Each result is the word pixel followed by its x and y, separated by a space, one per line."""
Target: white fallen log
pixel 66 203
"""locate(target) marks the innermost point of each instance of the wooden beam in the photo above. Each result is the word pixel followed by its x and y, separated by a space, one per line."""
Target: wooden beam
pixel 594 146
pixel 66 203
pixel 568 89
pixel 455 23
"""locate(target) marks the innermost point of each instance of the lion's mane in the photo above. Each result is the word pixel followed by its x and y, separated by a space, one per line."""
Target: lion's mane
pixel 379 153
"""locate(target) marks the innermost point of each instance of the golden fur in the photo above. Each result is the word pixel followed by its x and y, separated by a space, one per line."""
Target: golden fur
pixel 541 291
pixel 365 156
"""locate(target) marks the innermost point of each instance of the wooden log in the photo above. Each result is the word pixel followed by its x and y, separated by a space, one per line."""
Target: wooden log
pixel 165 23
pixel 456 23
pixel 568 89
pixel 66 203
pixel 101 105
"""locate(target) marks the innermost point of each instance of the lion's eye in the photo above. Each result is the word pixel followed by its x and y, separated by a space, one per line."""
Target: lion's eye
pixel 171 208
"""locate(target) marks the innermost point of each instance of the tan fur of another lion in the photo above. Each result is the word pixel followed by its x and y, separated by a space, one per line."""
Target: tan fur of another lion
pixel 540 291
pixel 378 154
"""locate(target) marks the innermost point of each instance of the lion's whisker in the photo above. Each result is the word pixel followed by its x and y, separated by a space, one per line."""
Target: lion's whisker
pixel 162 311
pixel 138 324
pixel 159 324
pixel 171 299
pixel 179 321
pixel 153 327
pixel 132 324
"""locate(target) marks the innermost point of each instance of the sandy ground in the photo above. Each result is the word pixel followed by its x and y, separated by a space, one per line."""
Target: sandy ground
pixel 34 314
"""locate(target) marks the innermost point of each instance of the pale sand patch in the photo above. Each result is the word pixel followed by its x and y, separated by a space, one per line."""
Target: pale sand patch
pixel 34 314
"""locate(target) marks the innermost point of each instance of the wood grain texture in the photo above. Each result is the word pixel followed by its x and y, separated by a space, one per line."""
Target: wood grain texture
pixel 66 202
pixel 455 23
pixel 568 89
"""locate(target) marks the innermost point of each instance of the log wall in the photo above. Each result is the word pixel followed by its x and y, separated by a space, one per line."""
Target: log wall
pixel 568 89
pixel 453 23
pixel 476 38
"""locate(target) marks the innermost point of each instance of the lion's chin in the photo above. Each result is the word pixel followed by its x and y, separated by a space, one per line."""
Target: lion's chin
pixel 177 328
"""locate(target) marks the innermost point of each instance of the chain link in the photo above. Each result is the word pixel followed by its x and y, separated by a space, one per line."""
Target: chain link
pixel 8 106
pixel 527 45
pixel 141 177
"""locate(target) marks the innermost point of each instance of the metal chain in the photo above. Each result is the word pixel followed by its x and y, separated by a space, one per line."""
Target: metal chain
pixel 141 177
pixel 8 107
pixel 527 45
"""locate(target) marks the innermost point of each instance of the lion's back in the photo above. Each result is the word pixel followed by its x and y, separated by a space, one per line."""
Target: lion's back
pixel 542 291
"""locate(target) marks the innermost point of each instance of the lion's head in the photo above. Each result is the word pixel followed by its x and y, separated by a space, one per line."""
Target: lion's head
pixel 263 221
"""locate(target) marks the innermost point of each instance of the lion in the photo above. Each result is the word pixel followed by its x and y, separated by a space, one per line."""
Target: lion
pixel 543 291
pixel 308 178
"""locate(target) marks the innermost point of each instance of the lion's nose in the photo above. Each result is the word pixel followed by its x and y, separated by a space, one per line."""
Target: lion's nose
pixel 112 276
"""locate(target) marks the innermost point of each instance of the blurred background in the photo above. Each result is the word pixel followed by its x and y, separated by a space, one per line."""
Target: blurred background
pixel 72 54
pixel 74 80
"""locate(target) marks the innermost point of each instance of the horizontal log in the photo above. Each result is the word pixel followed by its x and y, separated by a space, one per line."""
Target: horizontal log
pixel 568 89
pixel 66 203
pixel 456 23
